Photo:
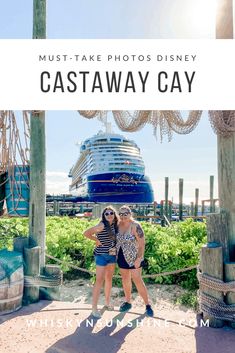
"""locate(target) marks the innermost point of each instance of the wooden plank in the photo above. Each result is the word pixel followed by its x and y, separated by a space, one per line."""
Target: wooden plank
pixel 211 263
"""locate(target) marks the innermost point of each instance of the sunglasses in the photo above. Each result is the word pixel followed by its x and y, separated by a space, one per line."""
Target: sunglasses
pixel 125 214
pixel 109 213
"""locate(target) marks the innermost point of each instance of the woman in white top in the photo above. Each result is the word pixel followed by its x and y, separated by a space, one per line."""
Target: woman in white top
pixel 130 258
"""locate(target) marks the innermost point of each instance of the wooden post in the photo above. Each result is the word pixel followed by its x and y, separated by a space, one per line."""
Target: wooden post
pixel 211 263
pixel 203 207
pixel 37 210
pixel 224 19
pixel 192 209
pixel 226 145
pixel 20 243
pixel 226 173
pixel 170 211
pixel 54 292
pixel 229 271
pixel 32 261
pixel 181 187
pixel 196 202
pixel 166 195
pixel 217 231
pixel 212 194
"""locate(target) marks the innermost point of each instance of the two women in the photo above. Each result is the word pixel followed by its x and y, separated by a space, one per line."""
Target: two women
pixel 122 241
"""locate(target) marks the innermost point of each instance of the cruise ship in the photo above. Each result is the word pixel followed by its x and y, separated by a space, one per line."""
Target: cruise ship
pixel 110 169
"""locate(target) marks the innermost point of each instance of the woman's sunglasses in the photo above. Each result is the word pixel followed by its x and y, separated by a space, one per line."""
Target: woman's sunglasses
pixel 125 214
pixel 109 213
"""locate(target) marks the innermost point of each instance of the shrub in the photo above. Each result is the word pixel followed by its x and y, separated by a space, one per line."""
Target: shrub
pixel 166 249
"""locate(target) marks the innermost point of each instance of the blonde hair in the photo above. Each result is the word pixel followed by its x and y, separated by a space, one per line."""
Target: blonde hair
pixel 125 207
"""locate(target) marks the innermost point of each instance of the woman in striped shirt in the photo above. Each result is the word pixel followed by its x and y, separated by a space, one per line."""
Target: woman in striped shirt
pixel 104 235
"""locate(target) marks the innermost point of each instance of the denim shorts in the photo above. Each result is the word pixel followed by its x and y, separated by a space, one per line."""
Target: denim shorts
pixel 105 259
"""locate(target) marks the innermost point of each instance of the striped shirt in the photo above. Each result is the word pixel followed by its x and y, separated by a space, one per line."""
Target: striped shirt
pixel 106 241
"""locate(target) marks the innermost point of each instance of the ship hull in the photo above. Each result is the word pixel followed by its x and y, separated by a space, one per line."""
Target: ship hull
pixel 119 188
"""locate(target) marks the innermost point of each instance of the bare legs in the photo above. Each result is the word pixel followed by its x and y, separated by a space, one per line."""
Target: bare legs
pixel 126 283
pixel 139 283
pixel 108 282
pixel 102 273
pixel 135 275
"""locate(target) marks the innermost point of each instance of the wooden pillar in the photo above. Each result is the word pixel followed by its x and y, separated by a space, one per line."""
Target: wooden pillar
pixel 181 186
pixel 217 231
pixel 226 145
pixel 226 177
pixel 37 213
pixel 196 202
pixel 37 208
pixel 224 19
pixel 166 195
pixel 54 292
pixel 229 271
pixel 19 243
pixel 203 207
pixel 170 211
pixel 31 257
pixel 212 194
pixel 191 208
pixel 211 263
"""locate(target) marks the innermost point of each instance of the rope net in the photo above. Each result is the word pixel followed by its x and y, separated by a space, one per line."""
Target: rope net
pixel 167 122
pixel 14 162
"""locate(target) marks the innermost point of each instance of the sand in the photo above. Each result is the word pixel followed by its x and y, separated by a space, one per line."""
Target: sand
pixel 67 327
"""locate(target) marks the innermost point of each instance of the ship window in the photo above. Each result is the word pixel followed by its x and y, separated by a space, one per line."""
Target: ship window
pixel 115 139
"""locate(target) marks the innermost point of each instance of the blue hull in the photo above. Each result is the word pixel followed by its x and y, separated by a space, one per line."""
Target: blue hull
pixel 120 187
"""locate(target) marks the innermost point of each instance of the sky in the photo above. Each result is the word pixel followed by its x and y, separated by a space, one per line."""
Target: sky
pixel 192 157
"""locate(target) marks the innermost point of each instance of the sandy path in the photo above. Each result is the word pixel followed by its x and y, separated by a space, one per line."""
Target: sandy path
pixel 66 327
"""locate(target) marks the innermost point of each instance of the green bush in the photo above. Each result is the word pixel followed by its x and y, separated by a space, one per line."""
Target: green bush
pixel 166 249
pixel 188 299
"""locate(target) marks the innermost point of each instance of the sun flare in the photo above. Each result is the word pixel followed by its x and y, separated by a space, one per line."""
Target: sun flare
pixel 202 15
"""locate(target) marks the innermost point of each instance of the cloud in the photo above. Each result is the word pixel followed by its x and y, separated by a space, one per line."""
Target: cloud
pixel 57 182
